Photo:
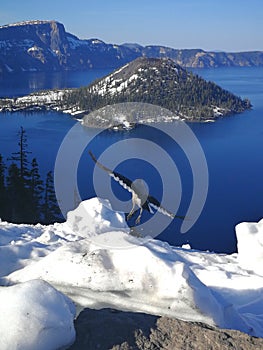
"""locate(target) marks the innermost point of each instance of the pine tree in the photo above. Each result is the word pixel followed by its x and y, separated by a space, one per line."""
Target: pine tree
pixel 51 212
pixel 3 192
pixel 21 156
pixel 23 199
pixel 18 183
pixel 15 195
pixel 35 192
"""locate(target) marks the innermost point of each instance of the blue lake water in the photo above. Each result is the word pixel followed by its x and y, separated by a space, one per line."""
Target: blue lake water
pixel 24 83
pixel 232 146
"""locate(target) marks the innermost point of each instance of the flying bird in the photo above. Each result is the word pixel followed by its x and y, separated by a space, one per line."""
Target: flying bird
pixel 140 195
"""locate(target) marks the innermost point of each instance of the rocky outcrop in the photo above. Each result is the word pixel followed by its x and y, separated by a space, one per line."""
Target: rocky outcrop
pixel 46 46
pixel 197 58
pixel 110 329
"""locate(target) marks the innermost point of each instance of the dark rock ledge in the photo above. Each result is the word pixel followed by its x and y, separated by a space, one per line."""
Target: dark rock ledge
pixel 111 329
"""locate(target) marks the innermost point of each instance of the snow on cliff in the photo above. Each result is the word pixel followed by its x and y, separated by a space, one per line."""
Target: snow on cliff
pixel 93 259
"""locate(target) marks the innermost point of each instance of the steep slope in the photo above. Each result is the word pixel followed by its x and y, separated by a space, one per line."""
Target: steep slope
pixel 32 46
pixel 46 46
pixel 160 82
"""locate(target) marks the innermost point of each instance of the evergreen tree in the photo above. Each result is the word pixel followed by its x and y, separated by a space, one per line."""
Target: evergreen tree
pixel 18 182
pixel 15 192
pixel 51 212
pixel 3 192
pixel 35 192
pixel 23 199
pixel 21 156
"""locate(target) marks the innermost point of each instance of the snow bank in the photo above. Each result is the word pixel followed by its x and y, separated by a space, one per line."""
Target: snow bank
pixel 250 245
pixel 94 260
pixel 95 217
pixel 35 316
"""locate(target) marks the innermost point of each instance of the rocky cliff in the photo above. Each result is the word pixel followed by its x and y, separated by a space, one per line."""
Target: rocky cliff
pixel 46 46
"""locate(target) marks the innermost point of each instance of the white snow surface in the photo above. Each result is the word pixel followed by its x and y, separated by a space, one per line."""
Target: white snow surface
pixel 34 315
pixel 23 23
pixel 93 259
pixel 45 97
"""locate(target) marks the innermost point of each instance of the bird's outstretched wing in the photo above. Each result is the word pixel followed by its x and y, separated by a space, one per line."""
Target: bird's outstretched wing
pixel 126 183
pixel 155 204
pixel 122 180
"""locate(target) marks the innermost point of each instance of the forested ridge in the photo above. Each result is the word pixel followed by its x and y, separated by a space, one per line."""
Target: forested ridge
pixel 160 82
pixel 24 196
pixel 154 81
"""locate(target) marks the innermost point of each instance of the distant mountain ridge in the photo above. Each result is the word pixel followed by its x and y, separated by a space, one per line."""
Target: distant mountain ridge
pixel 46 46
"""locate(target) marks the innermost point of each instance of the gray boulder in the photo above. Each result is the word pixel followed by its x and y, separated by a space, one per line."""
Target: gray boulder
pixel 116 330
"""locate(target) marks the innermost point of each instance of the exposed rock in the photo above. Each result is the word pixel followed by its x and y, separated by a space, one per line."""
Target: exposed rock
pixel 46 46
pixel 110 329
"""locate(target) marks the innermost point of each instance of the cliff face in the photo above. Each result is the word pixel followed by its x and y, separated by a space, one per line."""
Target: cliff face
pixel 32 46
pixel 197 58
pixel 46 46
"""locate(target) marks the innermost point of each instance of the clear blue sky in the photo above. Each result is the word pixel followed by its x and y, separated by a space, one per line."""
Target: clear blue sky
pixel 228 25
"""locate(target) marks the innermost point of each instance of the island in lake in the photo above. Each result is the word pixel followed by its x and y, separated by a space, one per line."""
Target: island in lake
pixel 154 81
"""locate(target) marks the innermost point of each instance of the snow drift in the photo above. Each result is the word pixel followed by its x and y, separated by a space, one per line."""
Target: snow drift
pixel 93 259
pixel 35 316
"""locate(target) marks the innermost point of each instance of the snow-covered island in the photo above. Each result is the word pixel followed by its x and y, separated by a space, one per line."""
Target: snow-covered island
pixel 49 273
pixel 159 82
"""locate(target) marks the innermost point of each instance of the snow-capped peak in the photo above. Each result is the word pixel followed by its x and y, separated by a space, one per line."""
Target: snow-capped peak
pixel 25 23
pixel 124 78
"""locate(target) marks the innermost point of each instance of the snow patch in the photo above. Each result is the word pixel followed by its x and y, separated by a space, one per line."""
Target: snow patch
pixel 95 217
pixel 97 41
pixel 250 245
pixel 218 112
pixel 112 87
pixel 34 315
pixel 24 23
pixel 33 49
pixel 45 97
